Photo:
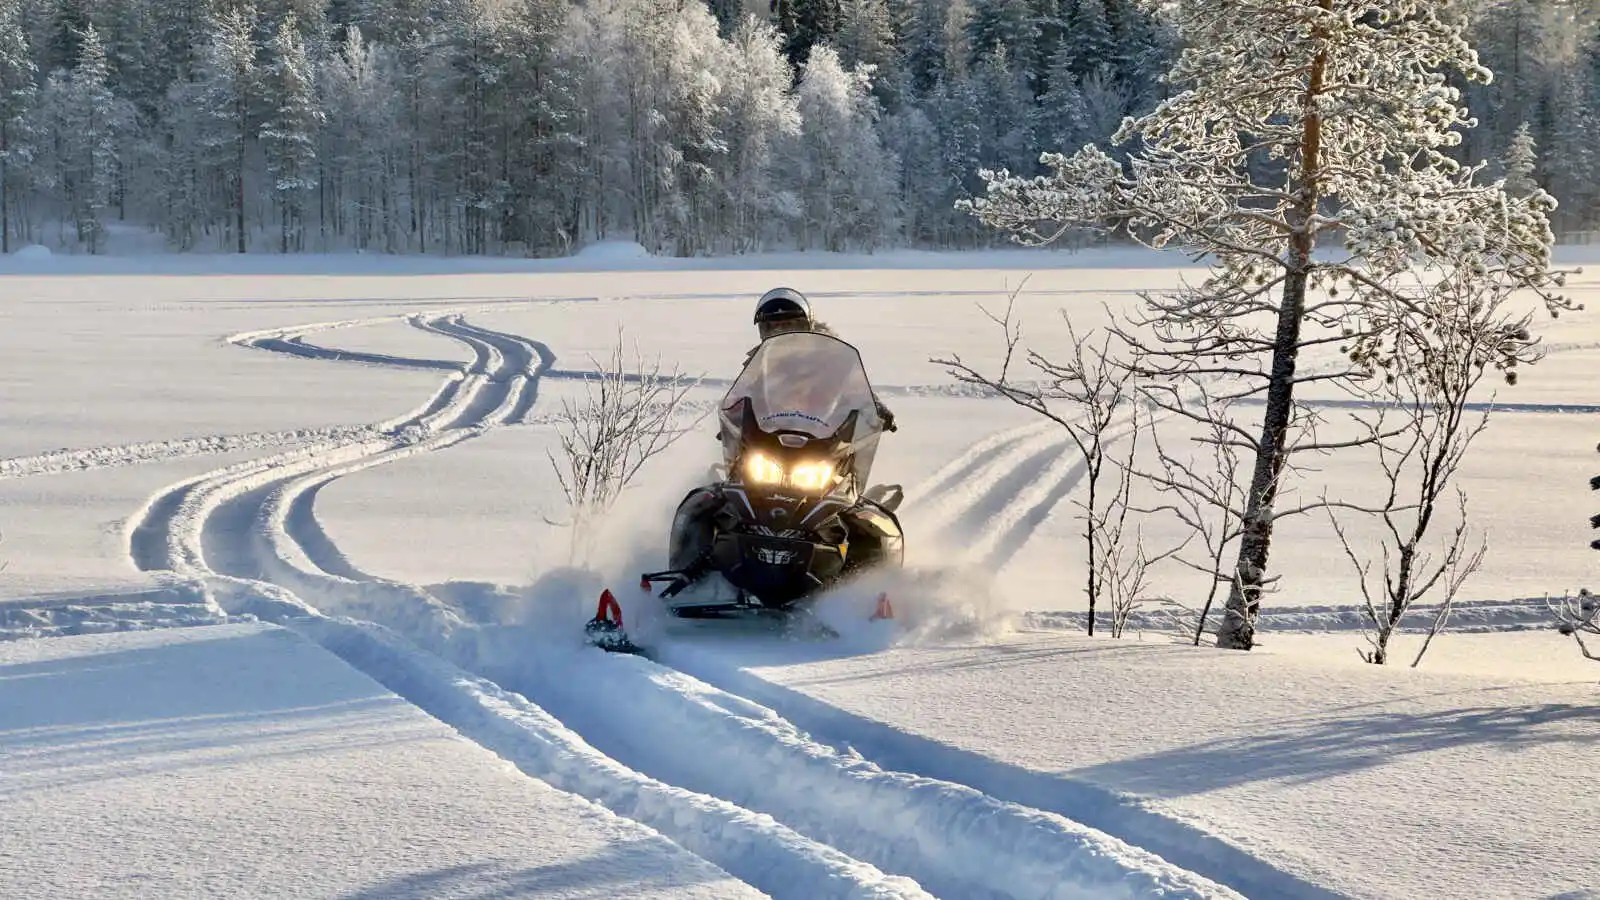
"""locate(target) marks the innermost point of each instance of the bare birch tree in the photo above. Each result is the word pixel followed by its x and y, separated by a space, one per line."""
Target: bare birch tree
pixel 1089 395
pixel 1124 561
pixel 630 412
pixel 1440 353
pixel 1294 126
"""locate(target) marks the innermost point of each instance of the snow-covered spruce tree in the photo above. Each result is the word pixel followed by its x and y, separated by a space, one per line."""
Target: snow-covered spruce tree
pixel 805 24
pixel 1520 163
pixel 1008 26
pixel 1351 97
pixel 867 38
pixel 18 94
pixel 1060 118
pixel 289 135
pixel 1007 110
pixel 1571 163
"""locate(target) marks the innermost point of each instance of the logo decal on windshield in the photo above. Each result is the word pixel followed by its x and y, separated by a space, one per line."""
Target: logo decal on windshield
pixel 795 414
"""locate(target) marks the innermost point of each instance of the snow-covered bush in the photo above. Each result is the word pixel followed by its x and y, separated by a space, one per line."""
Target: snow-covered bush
pixel 1579 616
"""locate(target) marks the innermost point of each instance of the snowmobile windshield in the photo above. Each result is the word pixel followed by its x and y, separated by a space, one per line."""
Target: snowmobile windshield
pixel 807 382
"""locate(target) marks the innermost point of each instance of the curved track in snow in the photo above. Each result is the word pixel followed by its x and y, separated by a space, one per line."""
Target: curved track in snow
pixel 722 775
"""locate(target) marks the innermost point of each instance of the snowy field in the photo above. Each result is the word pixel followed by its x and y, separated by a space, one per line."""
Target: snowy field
pixel 132 768
pixel 333 472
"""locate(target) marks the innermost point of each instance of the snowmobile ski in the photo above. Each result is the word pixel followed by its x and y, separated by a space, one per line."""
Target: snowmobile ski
pixel 605 629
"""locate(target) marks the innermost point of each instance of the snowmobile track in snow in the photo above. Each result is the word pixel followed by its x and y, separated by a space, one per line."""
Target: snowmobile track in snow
pixel 796 819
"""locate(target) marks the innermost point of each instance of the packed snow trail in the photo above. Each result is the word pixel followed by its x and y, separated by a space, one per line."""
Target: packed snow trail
pixel 222 531
pixel 872 742
pixel 956 841
pixel 844 823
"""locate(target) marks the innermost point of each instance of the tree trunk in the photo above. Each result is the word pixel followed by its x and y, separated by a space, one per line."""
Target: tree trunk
pixel 1238 628
pixel 1089 535
pixel 5 196
pixel 238 199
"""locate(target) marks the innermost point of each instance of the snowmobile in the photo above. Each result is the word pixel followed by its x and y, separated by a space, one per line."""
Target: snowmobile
pixel 789 514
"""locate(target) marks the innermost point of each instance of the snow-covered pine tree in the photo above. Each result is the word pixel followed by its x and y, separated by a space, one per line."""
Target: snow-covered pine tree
pixel 91 122
pixel 1521 162
pixel 18 94
pixel 867 37
pixel 289 134
pixel 225 93
pixel 536 106
pixel 1352 95
pixel 1060 119
pixel 762 118
pixel 846 177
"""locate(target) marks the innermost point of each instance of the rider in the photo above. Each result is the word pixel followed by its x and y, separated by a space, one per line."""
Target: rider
pixel 785 309
pixel 779 310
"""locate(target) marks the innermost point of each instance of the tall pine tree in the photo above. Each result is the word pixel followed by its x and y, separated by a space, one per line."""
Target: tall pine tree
pixel 18 94
pixel 288 136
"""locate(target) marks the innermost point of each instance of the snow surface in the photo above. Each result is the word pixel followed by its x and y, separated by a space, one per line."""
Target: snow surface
pixel 355 449
pixel 244 760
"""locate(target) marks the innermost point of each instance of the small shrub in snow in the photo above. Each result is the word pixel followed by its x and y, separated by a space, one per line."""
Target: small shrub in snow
pixel 1579 616
pixel 628 414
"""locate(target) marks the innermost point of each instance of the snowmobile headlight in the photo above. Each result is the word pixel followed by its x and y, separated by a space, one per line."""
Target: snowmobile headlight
pixel 817 476
pixel 761 470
